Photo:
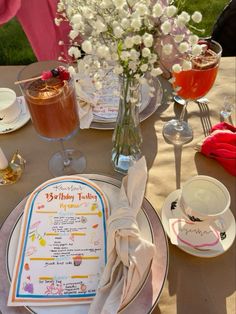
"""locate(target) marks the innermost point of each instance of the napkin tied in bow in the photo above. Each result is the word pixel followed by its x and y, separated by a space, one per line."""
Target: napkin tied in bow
pixel 129 255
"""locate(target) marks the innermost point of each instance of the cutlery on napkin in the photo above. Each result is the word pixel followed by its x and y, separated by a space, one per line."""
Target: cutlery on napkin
pixel 129 255
pixel 221 145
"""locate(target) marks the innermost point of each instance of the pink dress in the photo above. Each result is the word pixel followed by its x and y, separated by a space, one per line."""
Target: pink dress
pixel 37 19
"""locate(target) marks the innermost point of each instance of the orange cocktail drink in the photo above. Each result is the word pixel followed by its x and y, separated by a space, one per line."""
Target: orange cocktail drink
pixel 195 83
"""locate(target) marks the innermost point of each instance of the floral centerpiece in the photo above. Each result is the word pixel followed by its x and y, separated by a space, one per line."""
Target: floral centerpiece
pixel 139 39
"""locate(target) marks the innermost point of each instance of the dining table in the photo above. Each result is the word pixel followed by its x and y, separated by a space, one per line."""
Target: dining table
pixel 193 284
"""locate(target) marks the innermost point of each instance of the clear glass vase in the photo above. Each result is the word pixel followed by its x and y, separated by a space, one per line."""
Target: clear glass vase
pixel 127 137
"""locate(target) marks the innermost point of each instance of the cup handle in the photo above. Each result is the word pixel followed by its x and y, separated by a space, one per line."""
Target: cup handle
pixel 219 224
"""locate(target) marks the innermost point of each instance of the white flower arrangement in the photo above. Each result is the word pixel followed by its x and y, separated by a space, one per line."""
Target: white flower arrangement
pixel 135 36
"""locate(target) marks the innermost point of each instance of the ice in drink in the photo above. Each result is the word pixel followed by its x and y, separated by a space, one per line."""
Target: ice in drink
pixel 195 83
pixel 53 108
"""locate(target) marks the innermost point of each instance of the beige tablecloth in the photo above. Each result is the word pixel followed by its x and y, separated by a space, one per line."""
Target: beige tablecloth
pixel 194 285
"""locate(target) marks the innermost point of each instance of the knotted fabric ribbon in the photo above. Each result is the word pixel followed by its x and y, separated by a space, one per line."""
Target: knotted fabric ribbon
pixel 129 255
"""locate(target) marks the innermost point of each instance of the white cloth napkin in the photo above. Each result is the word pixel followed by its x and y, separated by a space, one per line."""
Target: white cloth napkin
pixel 129 255
pixel 86 100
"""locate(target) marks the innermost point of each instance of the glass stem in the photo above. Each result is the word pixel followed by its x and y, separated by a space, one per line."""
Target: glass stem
pixel 66 159
pixel 181 118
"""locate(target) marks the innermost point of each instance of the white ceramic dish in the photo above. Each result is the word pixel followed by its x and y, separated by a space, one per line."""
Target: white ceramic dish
pixel 148 107
pixel 170 210
pixel 20 121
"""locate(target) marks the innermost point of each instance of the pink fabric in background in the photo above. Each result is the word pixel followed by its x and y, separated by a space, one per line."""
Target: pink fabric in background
pixel 8 9
pixel 37 20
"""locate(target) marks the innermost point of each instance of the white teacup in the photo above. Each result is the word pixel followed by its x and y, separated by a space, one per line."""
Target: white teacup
pixel 9 108
pixel 205 199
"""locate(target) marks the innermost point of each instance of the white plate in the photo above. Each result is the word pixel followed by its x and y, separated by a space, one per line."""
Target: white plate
pixel 100 117
pixel 21 120
pixel 170 210
pixel 111 188
pixel 148 108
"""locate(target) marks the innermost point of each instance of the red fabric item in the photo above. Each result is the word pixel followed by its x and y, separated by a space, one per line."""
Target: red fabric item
pixel 221 145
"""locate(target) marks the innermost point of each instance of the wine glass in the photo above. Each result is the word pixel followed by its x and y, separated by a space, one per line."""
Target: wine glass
pixel 49 92
pixel 190 85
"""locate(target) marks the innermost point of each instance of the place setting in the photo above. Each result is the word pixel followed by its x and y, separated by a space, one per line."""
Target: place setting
pixel 197 218
pixel 60 240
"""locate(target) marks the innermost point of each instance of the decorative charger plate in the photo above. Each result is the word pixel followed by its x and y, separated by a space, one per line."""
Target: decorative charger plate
pixel 150 288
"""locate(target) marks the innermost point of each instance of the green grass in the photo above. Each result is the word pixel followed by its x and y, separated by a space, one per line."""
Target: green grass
pixel 15 48
pixel 14 45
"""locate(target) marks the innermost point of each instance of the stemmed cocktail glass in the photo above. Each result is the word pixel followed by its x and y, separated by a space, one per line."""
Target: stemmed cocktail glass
pixel 191 85
pixel 49 92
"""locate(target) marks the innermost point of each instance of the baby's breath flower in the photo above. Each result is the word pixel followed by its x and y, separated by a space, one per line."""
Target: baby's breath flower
pixel 134 54
pixel 171 10
pixel 197 49
pixel 118 69
pixel 178 38
pixel 167 49
pixel 148 40
pixel 144 67
pixel 103 51
pixel 193 39
pixel 142 9
pixel 166 27
pixel 118 31
pixel 137 39
pixel 76 19
pixel 157 10
pixel 136 23
pixel 187 65
pixel 119 3
pixel 74 52
pixel 133 35
pixel 183 47
pixel 197 17
pixel 87 46
pixel 125 23
pixel 177 68
pixel 146 52
pixel 156 71
pixel 128 42
pixel 73 34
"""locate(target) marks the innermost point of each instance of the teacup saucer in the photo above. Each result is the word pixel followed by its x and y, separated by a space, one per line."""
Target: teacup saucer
pixel 170 210
pixel 21 120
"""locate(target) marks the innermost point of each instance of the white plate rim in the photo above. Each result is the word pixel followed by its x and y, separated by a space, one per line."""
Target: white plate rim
pixel 197 253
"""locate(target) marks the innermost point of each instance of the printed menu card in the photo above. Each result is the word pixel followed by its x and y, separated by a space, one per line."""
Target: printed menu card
pixel 62 245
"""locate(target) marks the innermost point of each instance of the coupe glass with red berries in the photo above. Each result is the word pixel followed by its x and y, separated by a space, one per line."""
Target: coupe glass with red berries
pixel 49 92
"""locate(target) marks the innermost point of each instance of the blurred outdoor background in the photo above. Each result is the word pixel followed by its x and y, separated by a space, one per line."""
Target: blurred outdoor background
pixel 15 48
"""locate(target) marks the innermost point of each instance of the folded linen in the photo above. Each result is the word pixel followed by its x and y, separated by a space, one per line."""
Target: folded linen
pixel 221 146
pixel 129 255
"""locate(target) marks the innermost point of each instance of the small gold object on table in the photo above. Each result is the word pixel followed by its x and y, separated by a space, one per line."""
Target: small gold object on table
pixel 10 172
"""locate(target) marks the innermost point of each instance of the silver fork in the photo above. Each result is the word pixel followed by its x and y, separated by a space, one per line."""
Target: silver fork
pixel 205 115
